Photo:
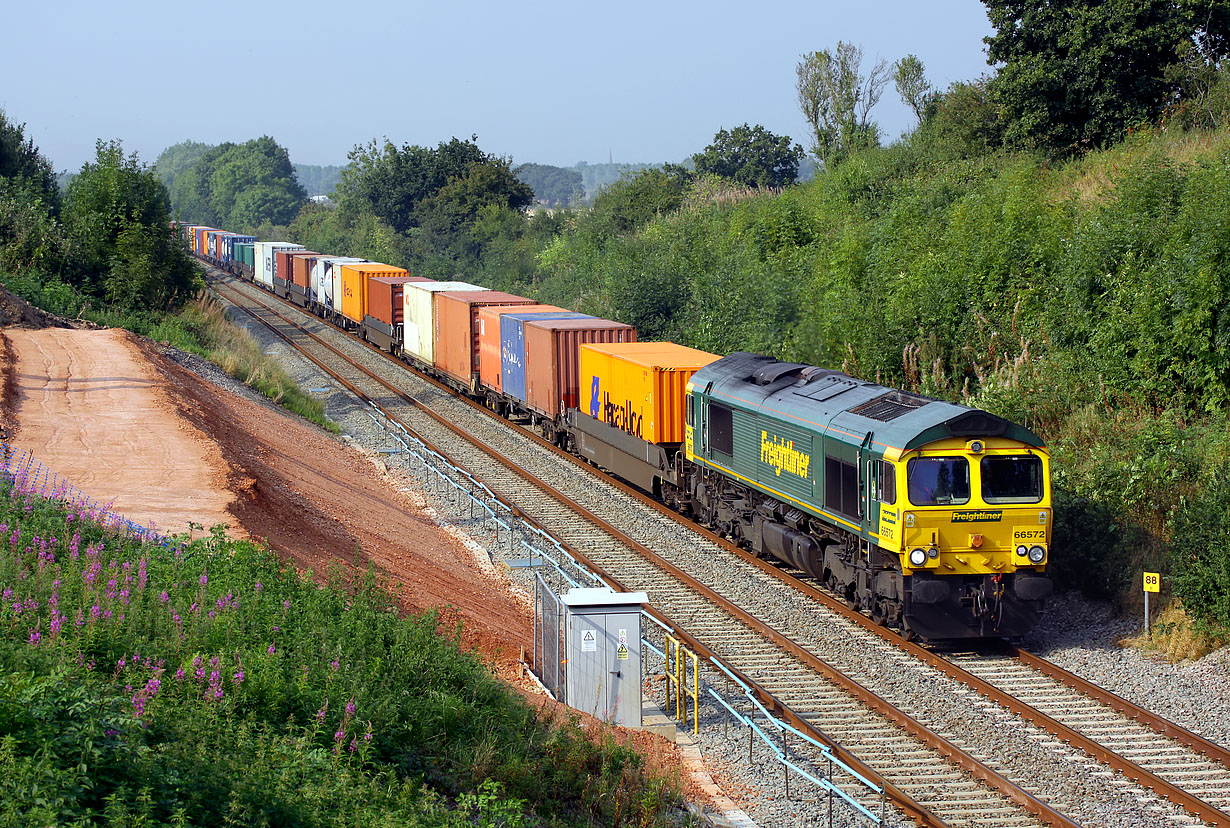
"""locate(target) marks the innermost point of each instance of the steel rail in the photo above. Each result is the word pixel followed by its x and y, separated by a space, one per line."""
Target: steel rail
pixel 959 757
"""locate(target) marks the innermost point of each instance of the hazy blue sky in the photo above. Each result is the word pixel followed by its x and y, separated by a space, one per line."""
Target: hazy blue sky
pixel 550 82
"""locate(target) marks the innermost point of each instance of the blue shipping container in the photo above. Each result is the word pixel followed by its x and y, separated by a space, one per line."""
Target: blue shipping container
pixel 512 348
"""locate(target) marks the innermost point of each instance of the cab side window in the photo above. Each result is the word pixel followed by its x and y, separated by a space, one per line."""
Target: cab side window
pixel 721 429
pixel 886 485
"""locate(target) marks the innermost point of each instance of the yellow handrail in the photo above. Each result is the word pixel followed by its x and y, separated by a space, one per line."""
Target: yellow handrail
pixel 677 679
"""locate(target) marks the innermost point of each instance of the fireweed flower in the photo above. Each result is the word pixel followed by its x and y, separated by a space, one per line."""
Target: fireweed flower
pixel 350 707
pixel 285 605
pixel 271 650
pixel 238 677
pixel 34 637
pixel 334 665
pixel 179 674
pixel 204 578
pixel 320 714
pixel 354 744
pixel 163 597
pixel 258 587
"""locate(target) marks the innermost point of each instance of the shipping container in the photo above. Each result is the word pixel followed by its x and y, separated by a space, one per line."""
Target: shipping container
pixel 456 330
pixel 301 264
pixel 553 357
pixel 489 342
pixel 323 282
pixel 639 387
pixel 419 323
pixel 354 286
pixel 229 243
pixel 266 260
pixel 384 298
pixel 512 348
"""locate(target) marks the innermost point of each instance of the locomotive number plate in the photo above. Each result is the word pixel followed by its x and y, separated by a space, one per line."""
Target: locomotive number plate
pixel 1025 533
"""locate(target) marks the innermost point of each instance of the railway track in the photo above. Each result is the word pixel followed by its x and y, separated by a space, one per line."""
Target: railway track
pixel 907 755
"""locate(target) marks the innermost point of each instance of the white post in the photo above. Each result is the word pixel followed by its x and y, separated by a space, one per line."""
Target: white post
pixel 1148 632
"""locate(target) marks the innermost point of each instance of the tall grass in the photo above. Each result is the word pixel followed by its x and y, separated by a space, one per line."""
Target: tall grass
pixel 202 683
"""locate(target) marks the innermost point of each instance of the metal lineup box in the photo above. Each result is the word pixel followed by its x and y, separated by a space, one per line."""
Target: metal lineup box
pixel 553 356
pixel 419 322
pixel 602 629
pixel 639 387
pixel 489 344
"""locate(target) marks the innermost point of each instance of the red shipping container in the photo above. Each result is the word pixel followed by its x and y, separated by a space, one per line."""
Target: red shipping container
pixel 455 320
pixel 384 300
pixel 301 262
pixel 553 359
pixel 490 363
pixel 283 267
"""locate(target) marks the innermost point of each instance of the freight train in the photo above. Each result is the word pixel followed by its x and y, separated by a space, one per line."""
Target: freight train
pixel 932 517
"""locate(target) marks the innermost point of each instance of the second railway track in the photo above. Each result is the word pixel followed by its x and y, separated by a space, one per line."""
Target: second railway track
pixel 969 726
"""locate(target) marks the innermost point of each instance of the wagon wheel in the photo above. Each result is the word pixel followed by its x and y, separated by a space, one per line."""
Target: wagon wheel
pixel 878 613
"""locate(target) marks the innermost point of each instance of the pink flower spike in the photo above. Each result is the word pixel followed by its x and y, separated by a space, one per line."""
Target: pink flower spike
pixel 350 707
pixel 271 649
pixel 334 665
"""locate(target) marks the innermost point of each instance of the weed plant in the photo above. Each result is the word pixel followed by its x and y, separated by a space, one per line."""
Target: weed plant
pixel 203 683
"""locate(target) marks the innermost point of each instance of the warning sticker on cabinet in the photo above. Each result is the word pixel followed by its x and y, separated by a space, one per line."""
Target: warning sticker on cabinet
pixel 589 643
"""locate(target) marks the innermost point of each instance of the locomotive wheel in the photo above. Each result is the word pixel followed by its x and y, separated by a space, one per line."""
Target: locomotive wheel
pixel 878 613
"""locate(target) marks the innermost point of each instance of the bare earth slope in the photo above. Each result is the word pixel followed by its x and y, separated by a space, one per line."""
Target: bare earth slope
pixel 90 407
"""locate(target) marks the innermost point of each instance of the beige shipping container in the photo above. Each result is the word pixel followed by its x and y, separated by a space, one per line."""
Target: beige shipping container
pixel 418 318
pixel 639 387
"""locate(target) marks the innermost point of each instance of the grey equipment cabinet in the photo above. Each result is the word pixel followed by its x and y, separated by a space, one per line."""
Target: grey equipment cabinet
pixel 602 629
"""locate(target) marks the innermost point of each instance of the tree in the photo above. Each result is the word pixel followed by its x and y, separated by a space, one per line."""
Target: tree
pixel 118 219
pixel 910 78
pixel 752 156
pixel 553 186
pixel 29 201
pixel 239 186
pixel 637 199
pixel 177 159
pixel 836 100
pixel 1076 74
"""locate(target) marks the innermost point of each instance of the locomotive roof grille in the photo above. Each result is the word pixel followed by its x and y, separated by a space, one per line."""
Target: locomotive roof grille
pixel 889 406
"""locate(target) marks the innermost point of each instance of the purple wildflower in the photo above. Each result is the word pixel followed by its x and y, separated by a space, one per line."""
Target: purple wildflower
pixel 163 597
pixel 350 707
pixel 271 650
pixel 204 578
pixel 258 587
pixel 34 637
pixel 334 665
pixel 238 677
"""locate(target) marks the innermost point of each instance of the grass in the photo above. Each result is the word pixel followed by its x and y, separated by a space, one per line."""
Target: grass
pixel 203 683
pixel 1176 636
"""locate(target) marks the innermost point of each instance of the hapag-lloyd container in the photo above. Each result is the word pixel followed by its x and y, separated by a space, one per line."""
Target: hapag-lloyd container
pixel 354 286
pixel 512 348
pixel 639 387
pixel 456 326
pixel 323 285
pixel 489 341
pixel 419 326
pixel 553 359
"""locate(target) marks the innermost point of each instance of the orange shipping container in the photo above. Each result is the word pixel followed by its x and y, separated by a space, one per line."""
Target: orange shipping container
pixel 553 357
pixel 301 262
pixel 384 300
pixel 489 358
pixel 640 387
pixel 456 329
pixel 354 286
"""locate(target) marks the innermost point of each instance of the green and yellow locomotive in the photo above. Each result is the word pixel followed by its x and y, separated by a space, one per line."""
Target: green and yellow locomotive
pixel 932 516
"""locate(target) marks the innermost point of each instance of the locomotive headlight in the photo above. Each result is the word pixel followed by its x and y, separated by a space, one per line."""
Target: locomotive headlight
pixel 918 557
pixel 1037 554
pixel 1022 551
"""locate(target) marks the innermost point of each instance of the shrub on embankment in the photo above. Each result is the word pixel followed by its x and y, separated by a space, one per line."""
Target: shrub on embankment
pixel 206 684
pixel 1089 300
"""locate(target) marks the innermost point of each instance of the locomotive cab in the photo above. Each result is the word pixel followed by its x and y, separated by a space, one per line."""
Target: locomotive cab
pixel 971 526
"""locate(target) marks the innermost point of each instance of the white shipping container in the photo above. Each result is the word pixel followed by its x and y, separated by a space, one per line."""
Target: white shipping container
pixel 264 262
pixel 322 285
pixel 418 320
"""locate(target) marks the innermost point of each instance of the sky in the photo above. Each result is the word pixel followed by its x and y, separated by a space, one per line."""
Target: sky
pixel 544 82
